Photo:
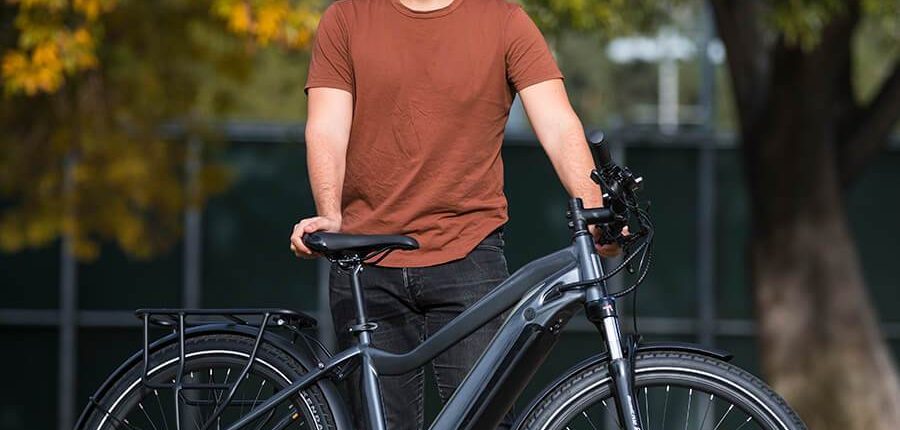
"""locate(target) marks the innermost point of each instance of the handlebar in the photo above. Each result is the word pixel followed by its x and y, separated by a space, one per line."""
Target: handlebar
pixel 620 187
pixel 601 150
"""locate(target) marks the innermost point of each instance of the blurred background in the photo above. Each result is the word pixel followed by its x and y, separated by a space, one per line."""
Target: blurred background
pixel 152 154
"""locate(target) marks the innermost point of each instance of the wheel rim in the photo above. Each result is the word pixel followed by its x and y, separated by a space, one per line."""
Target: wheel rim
pixel 139 408
pixel 669 398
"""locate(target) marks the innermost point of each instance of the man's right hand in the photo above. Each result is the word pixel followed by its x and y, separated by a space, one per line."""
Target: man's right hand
pixel 309 225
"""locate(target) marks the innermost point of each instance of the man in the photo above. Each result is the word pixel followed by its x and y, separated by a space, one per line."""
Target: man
pixel 408 100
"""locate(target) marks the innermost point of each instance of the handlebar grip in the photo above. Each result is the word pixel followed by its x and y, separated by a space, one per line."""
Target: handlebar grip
pixel 601 149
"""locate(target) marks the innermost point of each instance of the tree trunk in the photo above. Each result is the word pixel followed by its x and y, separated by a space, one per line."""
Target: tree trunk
pixel 820 342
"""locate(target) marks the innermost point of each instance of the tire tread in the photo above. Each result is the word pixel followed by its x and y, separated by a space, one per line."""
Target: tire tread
pixel 536 417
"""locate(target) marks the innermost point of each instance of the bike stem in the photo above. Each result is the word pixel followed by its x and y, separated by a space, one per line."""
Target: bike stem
pixel 600 308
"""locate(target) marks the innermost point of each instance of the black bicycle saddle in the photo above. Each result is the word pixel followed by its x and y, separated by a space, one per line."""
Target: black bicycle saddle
pixel 362 244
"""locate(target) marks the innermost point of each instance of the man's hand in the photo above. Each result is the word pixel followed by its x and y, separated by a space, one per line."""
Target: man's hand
pixel 309 225
pixel 606 250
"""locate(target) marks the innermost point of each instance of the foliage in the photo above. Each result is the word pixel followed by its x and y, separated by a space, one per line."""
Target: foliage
pixel 55 38
pixel 91 84
pixel 800 21
pixel 609 17
pixel 282 21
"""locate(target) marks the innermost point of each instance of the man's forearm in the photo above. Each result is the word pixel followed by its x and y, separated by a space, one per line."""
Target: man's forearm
pixel 327 162
pixel 562 136
pixel 571 157
pixel 330 113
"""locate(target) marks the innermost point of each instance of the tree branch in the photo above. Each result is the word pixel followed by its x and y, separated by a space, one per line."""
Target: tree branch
pixel 873 128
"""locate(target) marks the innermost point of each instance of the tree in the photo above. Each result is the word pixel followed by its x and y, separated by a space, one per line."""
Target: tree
pixel 89 85
pixel 806 134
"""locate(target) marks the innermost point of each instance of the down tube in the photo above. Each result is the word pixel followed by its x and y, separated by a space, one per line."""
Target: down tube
pixel 515 353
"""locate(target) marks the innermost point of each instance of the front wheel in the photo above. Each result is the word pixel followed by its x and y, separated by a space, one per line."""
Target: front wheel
pixel 675 390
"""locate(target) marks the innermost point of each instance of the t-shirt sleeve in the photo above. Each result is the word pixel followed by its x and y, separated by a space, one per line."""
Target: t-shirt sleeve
pixel 528 59
pixel 330 65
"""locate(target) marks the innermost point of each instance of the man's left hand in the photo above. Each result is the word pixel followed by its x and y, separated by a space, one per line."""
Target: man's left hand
pixel 609 249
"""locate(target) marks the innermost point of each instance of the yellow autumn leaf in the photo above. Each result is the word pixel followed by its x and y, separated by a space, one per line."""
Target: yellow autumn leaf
pixel 239 18
pixel 14 63
pixel 89 8
pixel 269 19
pixel 83 38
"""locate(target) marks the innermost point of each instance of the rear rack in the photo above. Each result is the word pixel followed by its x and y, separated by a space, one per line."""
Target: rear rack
pixel 179 320
pixel 170 317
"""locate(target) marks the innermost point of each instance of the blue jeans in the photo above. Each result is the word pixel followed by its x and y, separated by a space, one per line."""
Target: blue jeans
pixel 411 303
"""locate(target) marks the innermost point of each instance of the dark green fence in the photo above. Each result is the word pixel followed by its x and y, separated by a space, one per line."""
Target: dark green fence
pixel 246 262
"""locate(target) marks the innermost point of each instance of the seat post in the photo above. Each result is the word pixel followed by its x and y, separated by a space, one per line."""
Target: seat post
pixel 363 326
pixel 362 330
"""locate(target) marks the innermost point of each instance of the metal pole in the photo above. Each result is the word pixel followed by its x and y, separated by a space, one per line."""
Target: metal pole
pixel 68 308
pixel 706 191
pixel 668 89
pixel 193 218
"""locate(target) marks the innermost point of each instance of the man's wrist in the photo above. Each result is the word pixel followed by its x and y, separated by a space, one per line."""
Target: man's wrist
pixel 332 216
pixel 593 200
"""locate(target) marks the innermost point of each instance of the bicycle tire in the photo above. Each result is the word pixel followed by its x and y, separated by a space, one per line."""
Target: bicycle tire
pixel 212 351
pixel 566 404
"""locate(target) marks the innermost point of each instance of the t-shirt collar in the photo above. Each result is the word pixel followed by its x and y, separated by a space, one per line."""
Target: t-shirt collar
pixel 425 14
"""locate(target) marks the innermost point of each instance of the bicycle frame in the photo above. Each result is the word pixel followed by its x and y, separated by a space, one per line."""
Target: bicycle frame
pixel 540 309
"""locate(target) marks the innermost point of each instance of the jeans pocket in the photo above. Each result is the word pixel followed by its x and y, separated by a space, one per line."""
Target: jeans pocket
pixel 493 242
pixel 486 247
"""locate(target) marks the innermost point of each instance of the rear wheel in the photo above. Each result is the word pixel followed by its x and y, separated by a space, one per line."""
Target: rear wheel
pixel 210 359
pixel 674 391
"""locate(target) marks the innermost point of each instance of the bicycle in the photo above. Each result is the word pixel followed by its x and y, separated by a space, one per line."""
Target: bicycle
pixel 212 371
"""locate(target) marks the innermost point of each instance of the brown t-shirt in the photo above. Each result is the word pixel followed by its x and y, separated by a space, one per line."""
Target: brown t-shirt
pixel 431 96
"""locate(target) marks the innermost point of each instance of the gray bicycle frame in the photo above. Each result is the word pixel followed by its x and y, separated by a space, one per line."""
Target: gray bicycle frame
pixel 539 312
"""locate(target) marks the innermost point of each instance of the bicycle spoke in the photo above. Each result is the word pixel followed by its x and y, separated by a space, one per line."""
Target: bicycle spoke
pixel 209 380
pixel 745 423
pixel 665 407
pixel 589 420
pixel 130 425
pixel 613 414
pixel 244 384
pixel 220 393
pixel 261 385
pixel 162 413
pixel 687 418
pixel 141 407
pixel 256 399
pixel 723 417
pixel 697 416
pixel 108 414
pixel 193 412
pixel 647 406
pixel 706 412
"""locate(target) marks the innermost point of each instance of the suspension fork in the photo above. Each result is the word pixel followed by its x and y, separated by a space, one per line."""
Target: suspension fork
pixel 602 313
